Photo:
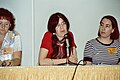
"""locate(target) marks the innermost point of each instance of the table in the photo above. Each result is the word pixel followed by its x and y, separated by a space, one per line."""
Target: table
pixel 104 72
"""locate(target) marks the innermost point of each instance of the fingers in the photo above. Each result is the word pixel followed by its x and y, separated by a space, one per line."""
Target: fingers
pixel 7 63
pixel 73 59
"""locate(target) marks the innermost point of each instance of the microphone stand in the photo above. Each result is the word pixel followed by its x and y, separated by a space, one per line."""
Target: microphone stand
pixel 67 45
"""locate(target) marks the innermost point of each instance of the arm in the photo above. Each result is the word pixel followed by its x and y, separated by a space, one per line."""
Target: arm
pixel 88 53
pixel 47 61
pixel 87 62
pixel 17 58
pixel 16 61
pixel 73 57
pixel 0 63
pixel 17 54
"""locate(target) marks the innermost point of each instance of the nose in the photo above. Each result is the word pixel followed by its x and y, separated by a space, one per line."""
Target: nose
pixel 2 25
pixel 61 27
pixel 103 28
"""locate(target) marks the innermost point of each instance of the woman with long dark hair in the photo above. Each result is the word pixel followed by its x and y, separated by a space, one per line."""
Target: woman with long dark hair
pixel 105 49
pixel 58 46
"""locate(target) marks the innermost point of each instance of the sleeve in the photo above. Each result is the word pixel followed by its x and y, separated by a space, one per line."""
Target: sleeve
pixel 88 52
pixel 18 43
pixel 46 41
pixel 119 51
pixel 73 42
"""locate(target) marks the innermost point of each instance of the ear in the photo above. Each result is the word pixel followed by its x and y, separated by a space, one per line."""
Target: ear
pixel 10 25
pixel 113 30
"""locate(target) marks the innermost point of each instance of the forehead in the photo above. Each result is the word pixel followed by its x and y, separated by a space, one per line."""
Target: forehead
pixel 106 21
pixel 4 20
pixel 5 17
pixel 60 20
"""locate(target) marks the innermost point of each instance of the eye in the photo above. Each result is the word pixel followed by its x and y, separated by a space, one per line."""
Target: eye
pixel 107 25
pixel 101 24
pixel 63 23
pixel 58 25
pixel 6 24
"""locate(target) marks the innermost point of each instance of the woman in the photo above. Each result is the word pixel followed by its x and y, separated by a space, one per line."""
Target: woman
pixel 105 49
pixel 10 43
pixel 57 45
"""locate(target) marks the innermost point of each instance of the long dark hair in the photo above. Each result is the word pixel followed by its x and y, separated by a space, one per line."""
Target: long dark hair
pixel 52 23
pixel 115 34
pixel 56 47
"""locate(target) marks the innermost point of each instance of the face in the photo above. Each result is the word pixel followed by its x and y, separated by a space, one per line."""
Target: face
pixel 106 28
pixel 4 26
pixel 61 28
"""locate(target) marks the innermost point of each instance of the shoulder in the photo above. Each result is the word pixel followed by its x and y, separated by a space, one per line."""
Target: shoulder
pixel 92 40
pixel 48 34
pixel 15 33
pixel 116 42
pixel 70 33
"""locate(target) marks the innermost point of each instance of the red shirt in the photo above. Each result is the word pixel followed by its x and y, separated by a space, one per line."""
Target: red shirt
pixel 47 42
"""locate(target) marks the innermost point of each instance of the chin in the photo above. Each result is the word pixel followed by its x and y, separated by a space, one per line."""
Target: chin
pixel 2 33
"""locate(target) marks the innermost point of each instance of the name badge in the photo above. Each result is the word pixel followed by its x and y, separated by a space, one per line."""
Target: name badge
pixel 8 50
pixel 112 50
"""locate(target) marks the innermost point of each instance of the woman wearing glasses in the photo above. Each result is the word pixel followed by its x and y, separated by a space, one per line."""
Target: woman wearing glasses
pixel 10 42
pixel 58 46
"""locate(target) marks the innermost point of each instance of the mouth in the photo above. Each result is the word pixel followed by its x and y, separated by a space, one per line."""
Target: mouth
pixel 1 30
pixel 102 32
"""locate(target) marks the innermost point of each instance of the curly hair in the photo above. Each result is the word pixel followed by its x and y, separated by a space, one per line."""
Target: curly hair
pixel 6 14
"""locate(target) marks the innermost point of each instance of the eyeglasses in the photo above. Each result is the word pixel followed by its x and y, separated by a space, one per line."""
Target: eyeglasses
pixel 62 24
pixel 4 25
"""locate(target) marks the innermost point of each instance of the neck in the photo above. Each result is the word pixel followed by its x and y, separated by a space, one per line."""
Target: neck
pixel 1 35
pixel 105 40
pixel 60 38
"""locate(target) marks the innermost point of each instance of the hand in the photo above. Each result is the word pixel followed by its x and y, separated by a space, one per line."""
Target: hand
pixel 87 62
pixel 0 63
pixel 16 62
pixel 73 59
pixel 119 63
pixel 8 50
pixel 7 63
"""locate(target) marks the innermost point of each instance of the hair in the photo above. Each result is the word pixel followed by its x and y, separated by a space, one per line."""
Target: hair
pixel 115 34
pixel 52 23
pixel 56 47
pixel 6 14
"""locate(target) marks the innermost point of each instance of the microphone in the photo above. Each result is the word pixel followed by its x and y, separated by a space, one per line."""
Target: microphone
pixel 67 45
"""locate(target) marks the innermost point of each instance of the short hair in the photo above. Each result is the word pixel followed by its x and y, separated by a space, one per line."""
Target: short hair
pixel 115 34
pixel 53 21
pixel 6 14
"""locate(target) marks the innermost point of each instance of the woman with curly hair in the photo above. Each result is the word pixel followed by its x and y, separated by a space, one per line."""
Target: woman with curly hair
pixel 10 41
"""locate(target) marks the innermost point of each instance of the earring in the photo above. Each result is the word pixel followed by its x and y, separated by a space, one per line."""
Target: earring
pixel 54 34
